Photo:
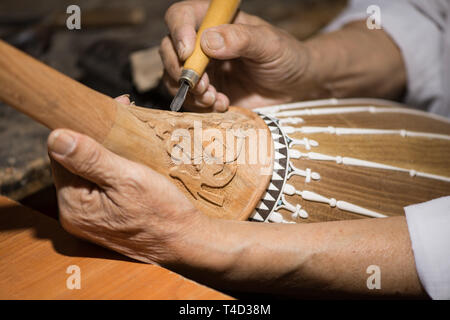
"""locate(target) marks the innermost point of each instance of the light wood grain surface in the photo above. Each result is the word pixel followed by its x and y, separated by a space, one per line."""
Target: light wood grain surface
pixel 383 191
pixel 35 253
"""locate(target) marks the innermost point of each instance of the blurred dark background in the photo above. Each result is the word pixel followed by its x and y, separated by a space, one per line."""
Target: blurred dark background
pixel 114 52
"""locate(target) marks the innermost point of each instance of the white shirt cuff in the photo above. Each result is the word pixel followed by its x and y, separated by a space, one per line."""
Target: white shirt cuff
pixel 429 229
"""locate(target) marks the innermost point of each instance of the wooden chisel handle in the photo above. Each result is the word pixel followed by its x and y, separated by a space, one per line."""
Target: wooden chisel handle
pixel 219 12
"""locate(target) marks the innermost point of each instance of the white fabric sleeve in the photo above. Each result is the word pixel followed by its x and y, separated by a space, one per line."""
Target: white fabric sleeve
pixel 429 230
pixel 420 40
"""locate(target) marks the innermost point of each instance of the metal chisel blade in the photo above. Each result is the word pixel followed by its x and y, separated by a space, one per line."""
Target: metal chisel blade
pixel 179 98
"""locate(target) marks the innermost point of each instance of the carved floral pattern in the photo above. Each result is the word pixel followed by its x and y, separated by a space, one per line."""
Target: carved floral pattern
pixel 202 170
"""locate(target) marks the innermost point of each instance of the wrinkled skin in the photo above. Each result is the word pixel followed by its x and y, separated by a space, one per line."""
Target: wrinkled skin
pixel 258 64
pixel 118 203
pixel 132 209
pixel 129 208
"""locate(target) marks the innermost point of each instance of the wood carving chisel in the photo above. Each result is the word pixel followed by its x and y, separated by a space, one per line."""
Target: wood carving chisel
pixel 219 12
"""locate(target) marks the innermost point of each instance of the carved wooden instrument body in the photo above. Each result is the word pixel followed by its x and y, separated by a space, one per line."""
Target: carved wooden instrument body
pixel 317 161
pixel 228 189
pixel 344 159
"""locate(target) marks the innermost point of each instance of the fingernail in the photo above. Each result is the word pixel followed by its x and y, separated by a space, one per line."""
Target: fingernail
pixel 181 48
pixel 214 40
pixel 61 143
pixel 125 98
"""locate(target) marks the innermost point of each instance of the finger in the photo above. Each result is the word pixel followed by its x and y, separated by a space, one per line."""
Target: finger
pixel 222 103
pixel 202 86
pixel 230 41
pixel 203 103
pixel 182 19
pixel 125 99
pixel 170 59
pixel 66 182
pixel 85 157
pixel 206 99
pixel 61 176
pixel 170 83
pixel 173 67
pixel 69 186
pixel 193 102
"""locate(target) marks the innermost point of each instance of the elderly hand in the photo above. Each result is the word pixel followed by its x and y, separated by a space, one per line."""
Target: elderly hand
pixel 130 208
pixel 254 64
pixel 117 203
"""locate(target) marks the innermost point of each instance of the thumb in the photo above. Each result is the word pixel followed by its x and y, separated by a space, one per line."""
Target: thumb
pixel 84 157
pixel 230 41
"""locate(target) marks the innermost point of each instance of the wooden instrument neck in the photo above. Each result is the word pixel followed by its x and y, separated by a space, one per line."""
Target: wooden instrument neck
pixel 52 98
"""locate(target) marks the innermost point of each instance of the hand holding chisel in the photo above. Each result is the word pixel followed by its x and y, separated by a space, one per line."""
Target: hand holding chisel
pixel 219 12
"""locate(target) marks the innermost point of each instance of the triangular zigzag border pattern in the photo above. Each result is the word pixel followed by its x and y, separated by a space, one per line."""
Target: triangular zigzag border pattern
pixel 280 170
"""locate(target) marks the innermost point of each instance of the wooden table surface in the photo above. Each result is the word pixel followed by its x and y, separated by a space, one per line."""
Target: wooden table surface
pixel 35 253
